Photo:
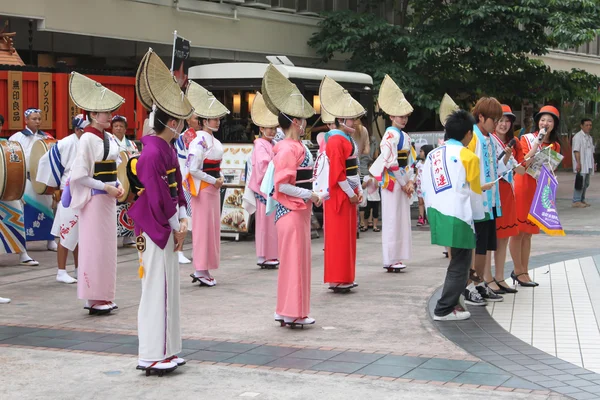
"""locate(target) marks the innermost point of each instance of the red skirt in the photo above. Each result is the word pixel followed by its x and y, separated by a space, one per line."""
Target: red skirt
pixel 506 225
pixel 524 191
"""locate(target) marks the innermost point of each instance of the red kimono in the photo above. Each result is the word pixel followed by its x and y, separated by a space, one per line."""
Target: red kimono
pixel 340 217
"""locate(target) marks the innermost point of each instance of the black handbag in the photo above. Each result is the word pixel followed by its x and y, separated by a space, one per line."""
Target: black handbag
pixel 578 181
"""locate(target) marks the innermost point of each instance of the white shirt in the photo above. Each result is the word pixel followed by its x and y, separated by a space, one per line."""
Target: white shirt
pixel 126 145
pixel 372 188
pixel 27 142
pixel 584 144
pixel 67 149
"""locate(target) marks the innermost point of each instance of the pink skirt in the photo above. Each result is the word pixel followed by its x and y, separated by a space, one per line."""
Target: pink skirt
pixel 293 283
pixel 265 233
pixel 97 276
pixel 206 225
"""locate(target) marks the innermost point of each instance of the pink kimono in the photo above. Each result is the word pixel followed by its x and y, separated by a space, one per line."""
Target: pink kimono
pixel 292 221
pixel 265 232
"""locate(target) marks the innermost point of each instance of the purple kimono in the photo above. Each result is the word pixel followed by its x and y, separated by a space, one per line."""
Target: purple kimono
pixel 152 210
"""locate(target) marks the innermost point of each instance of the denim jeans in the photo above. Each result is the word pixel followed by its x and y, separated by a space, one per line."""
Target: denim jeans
pixel 579 195
pixel 456 280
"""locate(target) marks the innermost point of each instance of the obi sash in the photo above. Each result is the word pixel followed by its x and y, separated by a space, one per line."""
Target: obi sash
pixel 352 166
pixel 402 158
pixel 134 182
pixel 105 171
pixel 212 168
pixel 304 178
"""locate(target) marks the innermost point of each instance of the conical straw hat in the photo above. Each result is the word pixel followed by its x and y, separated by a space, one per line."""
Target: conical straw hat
pixel 91 96
pixel 281 95
pixel 337 101
pixel 205 103
pixel 155 86
pixel 326 117
pixel 261 116
pixel 391 99
pixel 447 107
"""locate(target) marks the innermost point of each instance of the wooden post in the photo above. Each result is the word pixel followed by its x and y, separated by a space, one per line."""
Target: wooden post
pixel 140 116
pixel 63 123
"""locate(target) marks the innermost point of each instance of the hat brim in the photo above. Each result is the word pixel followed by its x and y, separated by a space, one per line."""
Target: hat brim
pixel 261 115
pixel 157 87
pixel 204 102
pixel 391 99
pixel 92 96
pixel 281 95
pixel 337 101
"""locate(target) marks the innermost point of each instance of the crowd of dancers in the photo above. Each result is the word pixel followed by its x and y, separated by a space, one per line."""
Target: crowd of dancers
pixel 176 180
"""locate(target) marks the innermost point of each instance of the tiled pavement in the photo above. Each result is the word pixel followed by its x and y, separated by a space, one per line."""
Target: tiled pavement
pixel 336 361
pixel 483 337
pixel 561 315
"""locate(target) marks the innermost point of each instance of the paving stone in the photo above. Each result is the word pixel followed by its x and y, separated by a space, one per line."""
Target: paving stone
pixel 216 356
pixel 315 354
pixel 401 361
pixel 198 344
pixel 49 333
pixel 431 374
pixel 475 378
pixel 25 340
pixel 384 370
pixel 453 365
pixel 84 336
pixel 292 362
pixel 567 390
pixel 121 339
pixel 94 346
pixel 124 349
pixel 275 351
pixel 19 330
pixel 337 366
pixel 355 357
pixel 252 359
pixel 485 368
pixel 232 347
pixel 519 383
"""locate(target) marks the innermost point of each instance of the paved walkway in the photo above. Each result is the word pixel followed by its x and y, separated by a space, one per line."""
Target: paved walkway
pixel 381 333
pixel 561 316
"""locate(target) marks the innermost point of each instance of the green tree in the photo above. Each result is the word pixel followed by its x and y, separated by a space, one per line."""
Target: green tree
pixel 466 48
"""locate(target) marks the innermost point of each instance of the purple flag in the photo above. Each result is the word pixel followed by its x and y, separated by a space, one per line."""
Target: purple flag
pixel 543 211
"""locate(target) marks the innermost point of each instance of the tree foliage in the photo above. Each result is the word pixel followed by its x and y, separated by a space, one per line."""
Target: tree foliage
pixel 466 48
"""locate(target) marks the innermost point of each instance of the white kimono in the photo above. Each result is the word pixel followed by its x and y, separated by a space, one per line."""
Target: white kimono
pixel 37 209
pixel 395 204
pixel 54 170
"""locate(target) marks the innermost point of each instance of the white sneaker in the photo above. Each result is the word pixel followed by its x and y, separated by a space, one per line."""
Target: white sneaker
pixel 182 258
pixel 4 300
pixel 52 246
pixel 299 321
pixel 63 277
pixel 453 316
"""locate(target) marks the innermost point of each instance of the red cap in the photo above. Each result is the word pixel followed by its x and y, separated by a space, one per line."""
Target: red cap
pixel 506 111
pixel 549 110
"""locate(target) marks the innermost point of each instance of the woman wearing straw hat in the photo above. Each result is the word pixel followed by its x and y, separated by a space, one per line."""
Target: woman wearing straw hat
pixel 182 145
pixel 160 218
pixel 506 224
pixel 93 187
pixel 54 169
pixel 345 190
pixel 547 121
pixel 265 232
pixel 392 168
pixel 288 183
pixel 204 179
